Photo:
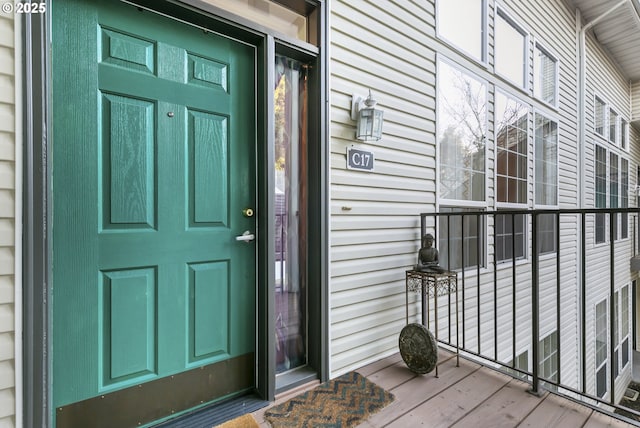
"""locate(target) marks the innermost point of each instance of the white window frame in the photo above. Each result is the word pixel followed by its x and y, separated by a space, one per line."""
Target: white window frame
pixel 484 29
pixel 513 205
pixel 501 13
pixel 624 134
pixel 461 203
pixel 525 240
pixel 614 168
pixel 539 46
pixel 482 234
pixel 620 335
pixel 614 121
pixel 554 118
pixel 622 198
pixel 600 217
pixel 552 356
pixel 605 118
pixel 602 365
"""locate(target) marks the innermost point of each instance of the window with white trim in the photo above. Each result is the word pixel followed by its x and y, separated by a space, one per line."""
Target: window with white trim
pixel 614 188
pixel 512 124
pixel 601 191
pixel 511 234
pixel 521 363
pixel 545 72
pixel 470 15
pixel 547 233
pixel 621 329
pixel 601 348
pixel 462 124
pixel 624 134
pixel 600 117
pixel 510 50
pixel 613 127
pixel 546 152
pixel 548 358
pixel 624 197
pixel 613 191
pixel 461 239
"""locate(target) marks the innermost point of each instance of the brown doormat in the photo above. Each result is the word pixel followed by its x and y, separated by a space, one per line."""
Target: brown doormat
pixel 339 403
pixel 244 421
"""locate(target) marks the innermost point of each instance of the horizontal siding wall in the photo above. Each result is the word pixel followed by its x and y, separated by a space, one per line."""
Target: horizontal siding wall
pixel 374 216
pixel 604 80
pixel 635 107
pixel 7 221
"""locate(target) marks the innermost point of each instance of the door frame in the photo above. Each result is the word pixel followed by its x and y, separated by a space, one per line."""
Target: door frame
pixel 37 194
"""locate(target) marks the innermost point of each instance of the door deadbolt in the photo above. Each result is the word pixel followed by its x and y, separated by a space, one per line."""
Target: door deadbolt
pixel 247 212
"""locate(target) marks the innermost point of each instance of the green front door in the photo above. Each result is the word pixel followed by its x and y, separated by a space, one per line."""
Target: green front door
pixel 153 165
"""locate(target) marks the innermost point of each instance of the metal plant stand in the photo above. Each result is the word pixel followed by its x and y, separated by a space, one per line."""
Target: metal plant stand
pixel 430 285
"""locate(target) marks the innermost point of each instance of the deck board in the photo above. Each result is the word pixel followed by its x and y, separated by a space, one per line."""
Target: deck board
pixel 470 395
pixel 556 411
pixel 452 404
pixel 508 406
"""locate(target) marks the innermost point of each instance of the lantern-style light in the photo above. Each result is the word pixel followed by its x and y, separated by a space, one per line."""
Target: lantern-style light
pixel 368 118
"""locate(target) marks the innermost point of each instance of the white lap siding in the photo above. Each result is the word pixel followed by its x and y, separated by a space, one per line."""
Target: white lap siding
pixel 7 221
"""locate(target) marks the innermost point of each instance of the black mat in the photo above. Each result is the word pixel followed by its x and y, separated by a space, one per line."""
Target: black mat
pixel 210 416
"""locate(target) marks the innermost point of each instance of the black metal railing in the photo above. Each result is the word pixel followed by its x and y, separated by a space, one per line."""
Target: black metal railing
pixel 569 237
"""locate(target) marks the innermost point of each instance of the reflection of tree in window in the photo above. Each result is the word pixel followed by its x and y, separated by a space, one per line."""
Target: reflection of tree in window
pixel 511 150
pixel 462 125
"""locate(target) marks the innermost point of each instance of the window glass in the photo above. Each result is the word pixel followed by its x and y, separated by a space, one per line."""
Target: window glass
pixel 510 230
pixel 624 197
pixel 546 233
pixel 548 358
pixel 546 150
pixel 624 325
pixel 522 363
pixel 544 69
pixel 624 126
pixel 601 191
pixel 613 127
pixel 510 51
pixel 511 150
pixel 290 201
pixel 461 239
pixel 613 190
pixel 601 348
pixel 600 114
pixel 461 134
pixel 468 16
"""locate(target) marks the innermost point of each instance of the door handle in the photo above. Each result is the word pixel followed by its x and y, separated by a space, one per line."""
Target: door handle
pixel 246 237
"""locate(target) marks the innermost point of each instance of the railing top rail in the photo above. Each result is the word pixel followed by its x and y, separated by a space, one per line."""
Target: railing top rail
pixel 633 210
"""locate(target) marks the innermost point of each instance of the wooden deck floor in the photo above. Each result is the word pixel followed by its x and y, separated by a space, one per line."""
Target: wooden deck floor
pixel 467 396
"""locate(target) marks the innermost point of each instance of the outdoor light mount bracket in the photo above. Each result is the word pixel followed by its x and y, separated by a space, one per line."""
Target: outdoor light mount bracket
pixel 357 102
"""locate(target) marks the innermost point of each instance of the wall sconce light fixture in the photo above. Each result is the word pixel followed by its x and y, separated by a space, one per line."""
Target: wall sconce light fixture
pixel 368 118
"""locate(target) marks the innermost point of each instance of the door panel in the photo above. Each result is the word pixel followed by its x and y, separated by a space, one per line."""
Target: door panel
pixel 153 162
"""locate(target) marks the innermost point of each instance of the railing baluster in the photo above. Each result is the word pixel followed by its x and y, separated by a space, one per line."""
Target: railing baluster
pixel 478 258
pixel 558 324
pixel 612 284
pixel 513 287
pixel 495 290
pixel 464 342
pixel 534 305
pixel 583 302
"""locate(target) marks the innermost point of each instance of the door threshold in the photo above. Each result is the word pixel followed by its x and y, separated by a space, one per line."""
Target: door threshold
pixel 217 413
